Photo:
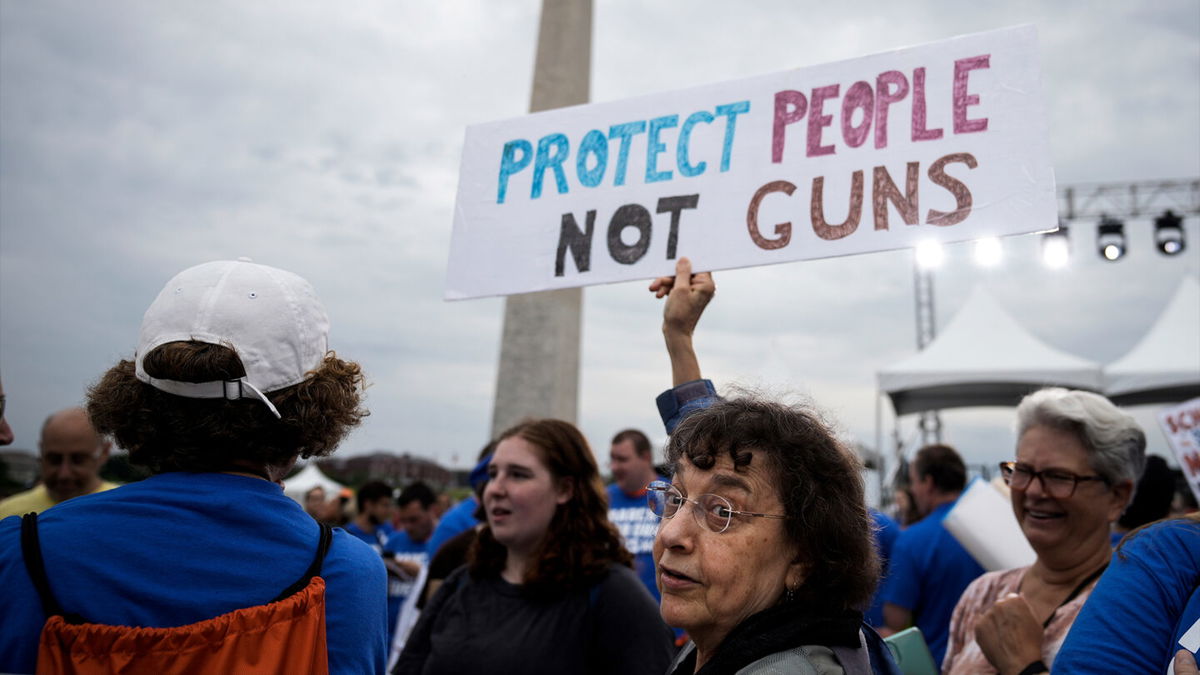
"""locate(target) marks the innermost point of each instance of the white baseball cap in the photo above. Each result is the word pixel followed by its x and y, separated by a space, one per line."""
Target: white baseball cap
pixel 269 317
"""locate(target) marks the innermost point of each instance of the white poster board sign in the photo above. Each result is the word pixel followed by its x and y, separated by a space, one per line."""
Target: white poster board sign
pixel 983 522
pixel 945 141
pixel 1181 426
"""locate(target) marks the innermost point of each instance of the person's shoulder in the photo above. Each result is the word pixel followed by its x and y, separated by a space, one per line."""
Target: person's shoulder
pixel 459 579
pixel 34 499
pixel 1184 529
pixel 619 574
pixel 460 512
pixel 398 541
pixel 347 545
pixel 989 586
pixel 1173 539
pixel 622 582
pixel 882 519
pixel 920 531
pixel 804 660
pixel 10 534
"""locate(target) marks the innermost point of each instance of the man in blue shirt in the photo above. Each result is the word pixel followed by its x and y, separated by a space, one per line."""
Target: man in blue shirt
pixel 373 525
pixel 407 545
pixel 929 569
pixel 373 522
pixel 632 465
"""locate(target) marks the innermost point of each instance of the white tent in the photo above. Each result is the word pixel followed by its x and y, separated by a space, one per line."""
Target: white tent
pixel 1164 367
pixel 308 478
pixel 983 357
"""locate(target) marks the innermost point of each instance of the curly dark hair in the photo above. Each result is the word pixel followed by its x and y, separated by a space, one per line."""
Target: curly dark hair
pixel 818 482
pixel 164 432
pixel 580 543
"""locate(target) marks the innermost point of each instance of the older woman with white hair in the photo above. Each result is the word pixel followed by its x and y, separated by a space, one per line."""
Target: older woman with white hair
pixel 1078 458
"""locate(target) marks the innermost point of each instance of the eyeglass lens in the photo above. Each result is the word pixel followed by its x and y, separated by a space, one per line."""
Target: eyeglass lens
pixel 1057 484
pixel 711 511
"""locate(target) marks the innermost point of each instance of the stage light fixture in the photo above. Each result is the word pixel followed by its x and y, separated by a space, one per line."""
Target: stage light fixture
pixel 1056 247
pixel 988 252
pixel 1110 238
pixel 930 255
pixel 1168 233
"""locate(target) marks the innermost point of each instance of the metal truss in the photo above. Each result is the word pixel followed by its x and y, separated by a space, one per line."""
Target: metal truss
pixel 1129 200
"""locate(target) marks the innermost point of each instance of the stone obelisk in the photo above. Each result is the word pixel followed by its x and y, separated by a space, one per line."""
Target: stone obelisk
pixel 539 349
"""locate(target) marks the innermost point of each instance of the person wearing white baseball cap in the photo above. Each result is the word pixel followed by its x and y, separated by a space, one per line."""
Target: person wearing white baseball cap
pixel 231 383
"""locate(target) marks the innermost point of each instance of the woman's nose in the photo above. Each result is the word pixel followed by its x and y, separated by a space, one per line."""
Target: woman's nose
pixel 679 530
pixel 495 486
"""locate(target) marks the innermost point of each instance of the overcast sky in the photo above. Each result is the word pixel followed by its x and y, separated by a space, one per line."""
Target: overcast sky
pixel 140 138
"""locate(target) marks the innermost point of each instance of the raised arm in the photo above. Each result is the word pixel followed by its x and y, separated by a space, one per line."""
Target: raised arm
pixel 687 295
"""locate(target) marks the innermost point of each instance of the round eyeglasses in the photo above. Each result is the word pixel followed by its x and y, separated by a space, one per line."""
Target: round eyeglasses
pixel 713 512
pixel 1056 483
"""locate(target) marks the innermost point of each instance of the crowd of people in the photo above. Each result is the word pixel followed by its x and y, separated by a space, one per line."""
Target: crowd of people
pixel 750 550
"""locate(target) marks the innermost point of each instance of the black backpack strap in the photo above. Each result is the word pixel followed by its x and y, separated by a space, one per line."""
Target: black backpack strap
pixel 31 549
pixel 315 568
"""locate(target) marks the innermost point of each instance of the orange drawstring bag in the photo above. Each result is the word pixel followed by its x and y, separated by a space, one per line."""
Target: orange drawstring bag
pixel 286 635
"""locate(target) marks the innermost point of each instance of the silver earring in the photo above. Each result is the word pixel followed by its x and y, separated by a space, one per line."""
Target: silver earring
pixel 790 595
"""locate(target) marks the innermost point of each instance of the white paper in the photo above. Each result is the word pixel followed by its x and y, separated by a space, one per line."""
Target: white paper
pixel 983 522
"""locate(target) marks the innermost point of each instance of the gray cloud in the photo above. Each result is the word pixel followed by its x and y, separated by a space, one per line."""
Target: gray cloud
pixel 138 138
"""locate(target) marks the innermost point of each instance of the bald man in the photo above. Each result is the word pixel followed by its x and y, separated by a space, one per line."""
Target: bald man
pixel 71 454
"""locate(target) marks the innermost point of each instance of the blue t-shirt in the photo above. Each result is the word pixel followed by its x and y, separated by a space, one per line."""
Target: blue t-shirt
pixel 459 519
pixel 402 548
pixel 1145 603
pixel 179 548
pixel 927 573
pixel 378 541
pixel 638 527
pixel 886 532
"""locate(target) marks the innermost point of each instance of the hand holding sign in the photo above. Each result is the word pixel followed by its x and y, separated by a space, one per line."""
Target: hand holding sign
pixel 687 295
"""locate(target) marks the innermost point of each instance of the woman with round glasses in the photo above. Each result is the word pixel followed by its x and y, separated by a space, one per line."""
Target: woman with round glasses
pixel 765 553
pixel 1078 457
pixel 774 563
pixel 548 587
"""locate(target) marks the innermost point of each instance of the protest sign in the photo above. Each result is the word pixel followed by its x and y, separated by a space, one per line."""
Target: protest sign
pixel 946 141
pixel 982 520
pixel 1181 426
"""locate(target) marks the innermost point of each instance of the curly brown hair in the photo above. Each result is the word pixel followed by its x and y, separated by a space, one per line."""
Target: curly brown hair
pixel 580 543
pixel 818 482
pixel 165 432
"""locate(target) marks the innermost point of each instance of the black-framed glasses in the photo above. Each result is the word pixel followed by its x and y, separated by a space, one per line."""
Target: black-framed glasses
pixel 1056 482
pixel 713 512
